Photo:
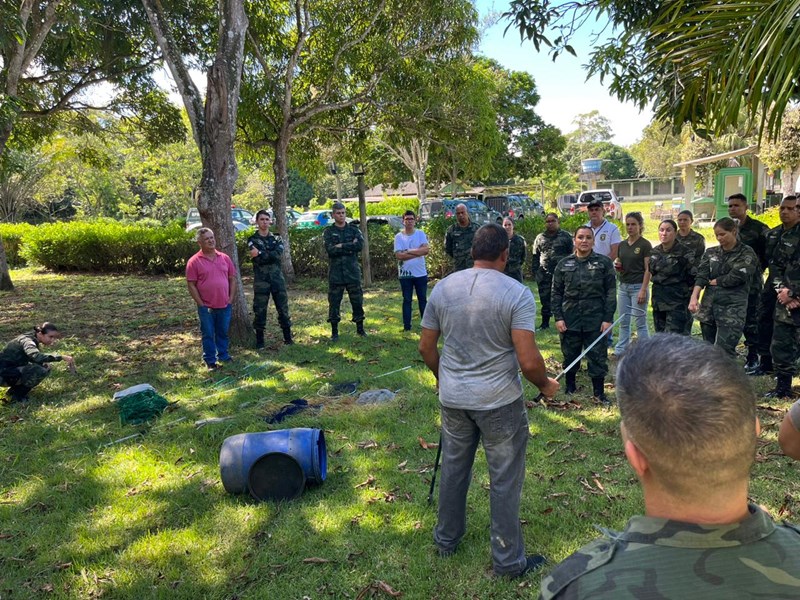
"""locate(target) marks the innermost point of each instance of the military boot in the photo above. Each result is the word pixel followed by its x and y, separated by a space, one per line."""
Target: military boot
pixel 571 386
pixel 334 332
pixel 752 359
pixel 764 367
pixel 259 339
pixel 287 336
pixel 598 391
pixel 545 323
pixel 360 329
pixel 18 393
pixel 783 389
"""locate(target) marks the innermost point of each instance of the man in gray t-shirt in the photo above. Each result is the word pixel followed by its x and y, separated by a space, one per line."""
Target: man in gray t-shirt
pixel 486 319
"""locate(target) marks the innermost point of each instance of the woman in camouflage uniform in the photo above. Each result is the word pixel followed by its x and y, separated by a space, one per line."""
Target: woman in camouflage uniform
pixel 516 251
pixel 23 366
pixel 672 273
pixel 725 273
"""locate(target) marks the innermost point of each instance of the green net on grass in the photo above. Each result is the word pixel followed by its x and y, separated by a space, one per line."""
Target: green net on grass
pixel 140 407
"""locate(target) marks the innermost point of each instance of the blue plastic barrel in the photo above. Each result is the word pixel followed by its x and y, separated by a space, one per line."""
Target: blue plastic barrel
pixel 273 465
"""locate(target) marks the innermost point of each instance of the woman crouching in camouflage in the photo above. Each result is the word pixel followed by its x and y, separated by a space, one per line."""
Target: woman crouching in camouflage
pixel 725 272
pixel 23 367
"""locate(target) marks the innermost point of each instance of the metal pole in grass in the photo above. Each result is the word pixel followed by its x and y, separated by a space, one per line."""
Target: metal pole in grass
pixel 435 468
pixel 593 344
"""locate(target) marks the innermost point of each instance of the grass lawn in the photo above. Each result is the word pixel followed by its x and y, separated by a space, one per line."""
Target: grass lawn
pixel 84 517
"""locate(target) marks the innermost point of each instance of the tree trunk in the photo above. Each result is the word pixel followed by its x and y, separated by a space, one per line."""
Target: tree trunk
pixel 366 268
pixel 279 201
pixel 789 177
pixel 214 129
pixel 6 285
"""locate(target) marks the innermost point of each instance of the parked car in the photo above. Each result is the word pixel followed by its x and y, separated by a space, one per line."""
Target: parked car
pixel 566 201
pixel 314 219
pixel 242 219
pixel 479 212
pixel 611 202
pixel 515 206
pixel 430 209
pixel 393 221
pixel 291 216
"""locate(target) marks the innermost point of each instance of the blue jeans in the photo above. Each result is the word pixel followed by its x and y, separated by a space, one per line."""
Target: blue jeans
pixel 626 300
pixel 214 325
pixel 504 432
pixel 408 285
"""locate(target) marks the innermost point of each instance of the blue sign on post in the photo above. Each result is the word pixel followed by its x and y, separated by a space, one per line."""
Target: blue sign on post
pixel 592 165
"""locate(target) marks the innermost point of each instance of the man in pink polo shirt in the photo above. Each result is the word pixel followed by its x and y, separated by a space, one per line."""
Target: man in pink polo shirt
pixel 211 278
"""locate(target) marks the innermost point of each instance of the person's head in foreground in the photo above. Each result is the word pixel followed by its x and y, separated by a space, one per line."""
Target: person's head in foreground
pixel 689 430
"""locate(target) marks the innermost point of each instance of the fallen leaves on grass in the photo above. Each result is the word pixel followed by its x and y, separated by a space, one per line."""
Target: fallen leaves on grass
pixel 314 560
pixel 367 444
pixel 370 480
pixel 427 445
pixel 378 587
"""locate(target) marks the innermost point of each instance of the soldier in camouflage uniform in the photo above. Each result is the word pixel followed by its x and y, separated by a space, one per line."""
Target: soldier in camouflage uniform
pixel 584 300
pixel 689 237
pixel 549 248
pixel 672 274
pixel 752 233
pixel 458 239
pixel 23 366
pixel 785 347
pixel 725 272
pixel 266 251
pixel 689 431
pixel 782 243
pixel 516 251
pixel 343 242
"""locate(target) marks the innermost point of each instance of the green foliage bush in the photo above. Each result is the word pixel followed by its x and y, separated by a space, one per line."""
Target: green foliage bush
pixel 109 246
pixel 13 235
pixel 310 259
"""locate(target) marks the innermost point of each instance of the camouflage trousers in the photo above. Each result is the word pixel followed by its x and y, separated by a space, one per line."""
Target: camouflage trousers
pixel 723 334
pixel 545 285
pixel 672 321
pixel 574 342
pixel 785 348
pixel 28 376
pixel 751 319
pixel 766 316
pixel 335 295
pixel 280 298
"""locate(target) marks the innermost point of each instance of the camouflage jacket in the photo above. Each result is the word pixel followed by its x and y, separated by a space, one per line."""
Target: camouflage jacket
pixel 670 560
pixel 672 273
pixel 458 245
pixel 584 292
pixel 733 271
pixel 754 234
pixel 548 250
pixel 791 280
pixel 516 254
pixel 782 245
pixel 344 267
pixel 24 349
pixel 696 242
pixel 267 264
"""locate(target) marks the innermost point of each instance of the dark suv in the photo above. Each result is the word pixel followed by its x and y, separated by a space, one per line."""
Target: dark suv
pixel 515 206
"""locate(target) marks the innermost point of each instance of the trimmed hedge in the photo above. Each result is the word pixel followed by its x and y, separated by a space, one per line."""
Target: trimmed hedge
pixel 13 235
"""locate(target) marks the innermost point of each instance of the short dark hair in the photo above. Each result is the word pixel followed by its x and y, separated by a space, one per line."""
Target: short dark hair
pixel 688 213
pixel 410 213
pixel 741 197
pixel 671 222
pixel 690 409
pixel 586 227
pixel 263 212
pixel 338 206
pixel 727 224
pixel 557 218
pixel 489 242
pixel 789 199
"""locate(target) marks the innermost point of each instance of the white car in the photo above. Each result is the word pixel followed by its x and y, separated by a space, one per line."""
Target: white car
pixel 611 202
pixel 242 219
